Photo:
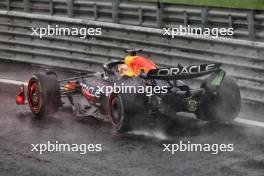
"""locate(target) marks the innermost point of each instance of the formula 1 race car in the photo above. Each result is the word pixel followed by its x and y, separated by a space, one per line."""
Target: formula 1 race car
pixel 136 88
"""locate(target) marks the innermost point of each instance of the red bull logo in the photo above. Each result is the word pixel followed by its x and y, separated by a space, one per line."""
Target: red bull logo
pixel 136 64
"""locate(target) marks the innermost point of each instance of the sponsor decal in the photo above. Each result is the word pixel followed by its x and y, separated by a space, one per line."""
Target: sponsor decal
pixel 184 71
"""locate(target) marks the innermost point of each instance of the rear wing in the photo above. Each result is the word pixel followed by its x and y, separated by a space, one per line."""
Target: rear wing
pixel 180 72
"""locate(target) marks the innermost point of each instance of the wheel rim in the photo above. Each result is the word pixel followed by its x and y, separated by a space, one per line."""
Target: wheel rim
pixel 116 112
pixel 34 96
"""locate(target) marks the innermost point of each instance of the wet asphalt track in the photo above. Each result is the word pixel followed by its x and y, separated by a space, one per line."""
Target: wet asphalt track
pixel 137 153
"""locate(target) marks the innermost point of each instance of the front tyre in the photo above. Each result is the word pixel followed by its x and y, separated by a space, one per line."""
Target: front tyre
pixel 43 95
pixel 221 105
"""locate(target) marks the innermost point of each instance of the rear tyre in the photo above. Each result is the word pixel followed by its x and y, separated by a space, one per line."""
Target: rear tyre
pixel 125 110
pixel 43 95
pixel 118 114
pixel 222 105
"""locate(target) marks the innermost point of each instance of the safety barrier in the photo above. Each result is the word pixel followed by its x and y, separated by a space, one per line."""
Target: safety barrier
pixel 242 59
pixel 247 24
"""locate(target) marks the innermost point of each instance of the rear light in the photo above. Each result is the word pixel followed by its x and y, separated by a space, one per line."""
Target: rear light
pixel 20 96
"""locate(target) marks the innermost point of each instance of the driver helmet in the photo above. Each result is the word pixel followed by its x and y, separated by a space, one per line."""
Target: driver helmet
pixel 122 68
pixel 136 64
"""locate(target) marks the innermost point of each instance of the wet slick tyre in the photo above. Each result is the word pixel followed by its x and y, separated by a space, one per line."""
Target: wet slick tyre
pixel 125 110
pixel 43 95
pixel 118 114
pixel 221 106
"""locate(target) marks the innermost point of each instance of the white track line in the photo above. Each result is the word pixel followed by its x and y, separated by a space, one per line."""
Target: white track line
pixel 238 120
pixel 13 82
pixel 250 122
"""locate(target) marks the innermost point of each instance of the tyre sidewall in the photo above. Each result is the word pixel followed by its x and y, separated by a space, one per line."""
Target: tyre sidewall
pixel 50 94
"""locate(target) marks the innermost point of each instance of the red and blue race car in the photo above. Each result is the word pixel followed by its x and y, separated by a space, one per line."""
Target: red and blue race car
pixel 156 91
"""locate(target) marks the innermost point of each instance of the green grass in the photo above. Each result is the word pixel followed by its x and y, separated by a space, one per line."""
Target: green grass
pixel 242 4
